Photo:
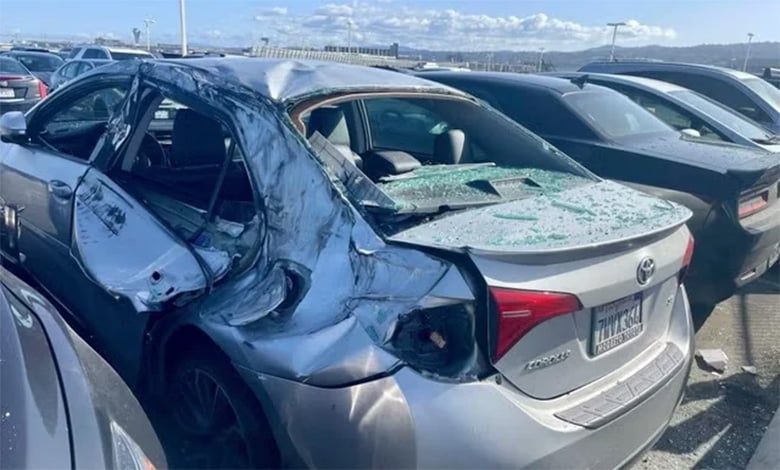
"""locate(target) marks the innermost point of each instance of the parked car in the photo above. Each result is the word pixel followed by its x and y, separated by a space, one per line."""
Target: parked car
pixel 772 75
pixel 337 266
pixel 107 53
pixel 686 110
pixel 61 405
pixel 29 49
pixel 746 93
pixel 41 64
pixel 732 190
pixel 73 68
pixel 64 53
pixel 20 90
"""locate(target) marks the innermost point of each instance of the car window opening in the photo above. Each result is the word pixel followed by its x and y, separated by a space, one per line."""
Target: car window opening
pixel 189 171
pixel 76 128
pixel 429 154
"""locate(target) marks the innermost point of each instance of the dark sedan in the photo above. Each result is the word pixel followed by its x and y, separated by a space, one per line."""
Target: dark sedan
pixel 686 110
pixel 20 90
pixel 743 92
pixel 41 64
pixel 61 405
pixel 733 191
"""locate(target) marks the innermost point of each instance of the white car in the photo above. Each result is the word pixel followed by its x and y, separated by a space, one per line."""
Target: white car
pixel 107 53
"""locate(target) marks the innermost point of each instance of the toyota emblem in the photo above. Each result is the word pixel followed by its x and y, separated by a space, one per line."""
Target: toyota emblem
pixel 645 271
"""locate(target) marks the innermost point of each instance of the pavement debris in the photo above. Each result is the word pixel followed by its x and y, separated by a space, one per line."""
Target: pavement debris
pixel 750 370
pixel 715 359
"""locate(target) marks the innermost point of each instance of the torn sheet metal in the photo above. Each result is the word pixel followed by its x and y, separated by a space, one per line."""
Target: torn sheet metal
pixel 354 281
pixel 323 277
pixel 107 226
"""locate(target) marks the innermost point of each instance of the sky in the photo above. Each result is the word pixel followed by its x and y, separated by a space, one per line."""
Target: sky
pixel 435 24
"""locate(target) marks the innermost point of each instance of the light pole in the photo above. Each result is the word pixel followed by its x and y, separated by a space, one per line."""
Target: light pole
pixel 350 23
pixel 747 53
pixel 541 55
pixel 615 27
pixel 183 22
pixel 148 25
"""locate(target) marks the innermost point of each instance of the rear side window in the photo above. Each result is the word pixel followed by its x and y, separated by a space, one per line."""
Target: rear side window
pixel 83 67
pixel 69 70
pixel 95 54
pixel 715 88
pixel 668 112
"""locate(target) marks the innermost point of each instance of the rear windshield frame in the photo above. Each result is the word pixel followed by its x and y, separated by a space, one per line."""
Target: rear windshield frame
pixel 564 165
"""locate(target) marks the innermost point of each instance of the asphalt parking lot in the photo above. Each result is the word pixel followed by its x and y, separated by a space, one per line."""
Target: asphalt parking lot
pixel 723 416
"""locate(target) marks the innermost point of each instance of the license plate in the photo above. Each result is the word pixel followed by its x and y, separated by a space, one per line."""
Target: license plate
pixel 6 92
pixel 161 115
pixel 615 323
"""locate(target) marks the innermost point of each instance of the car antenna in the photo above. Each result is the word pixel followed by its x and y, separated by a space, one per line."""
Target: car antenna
pixel 580 81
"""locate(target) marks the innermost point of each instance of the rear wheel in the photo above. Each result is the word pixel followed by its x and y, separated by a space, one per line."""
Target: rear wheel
pixel 220 422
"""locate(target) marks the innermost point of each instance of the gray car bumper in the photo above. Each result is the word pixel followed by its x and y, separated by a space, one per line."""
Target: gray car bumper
pixel 411 421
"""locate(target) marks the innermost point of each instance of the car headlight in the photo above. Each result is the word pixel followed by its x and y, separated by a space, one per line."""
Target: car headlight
pixel 128 455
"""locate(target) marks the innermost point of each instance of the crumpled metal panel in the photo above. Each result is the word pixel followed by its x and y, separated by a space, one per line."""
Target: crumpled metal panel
pixel 356 286
pixel 284 80
pixel 106 226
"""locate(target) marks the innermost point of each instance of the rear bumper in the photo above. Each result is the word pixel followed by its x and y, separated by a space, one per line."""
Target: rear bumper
pixel 22 106
pixel 729 256
pixel 411 421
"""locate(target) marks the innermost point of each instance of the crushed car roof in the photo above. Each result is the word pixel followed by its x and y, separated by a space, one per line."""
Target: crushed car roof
pixel 290 80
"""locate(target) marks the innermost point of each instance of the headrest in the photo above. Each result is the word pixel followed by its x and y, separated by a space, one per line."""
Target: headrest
pixel 331 123
pixel 197 140
pixel 451 147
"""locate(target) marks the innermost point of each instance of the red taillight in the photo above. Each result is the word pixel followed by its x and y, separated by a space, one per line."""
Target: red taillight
pixel 42 90
pixel 10 77
pixel 753 204
pixel 687 257
pixel 519 311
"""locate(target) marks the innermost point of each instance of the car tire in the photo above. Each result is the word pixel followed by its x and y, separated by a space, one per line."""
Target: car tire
pixel 237 434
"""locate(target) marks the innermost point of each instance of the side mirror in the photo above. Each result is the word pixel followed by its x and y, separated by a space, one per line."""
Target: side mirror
pixel 13 128
pixel 691 132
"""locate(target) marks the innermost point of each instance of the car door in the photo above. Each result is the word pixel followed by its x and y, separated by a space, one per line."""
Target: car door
pixel 38 180
pixel 90 244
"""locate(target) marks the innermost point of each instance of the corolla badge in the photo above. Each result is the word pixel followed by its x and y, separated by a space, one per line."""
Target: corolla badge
pixel 645 271
pixel 547 361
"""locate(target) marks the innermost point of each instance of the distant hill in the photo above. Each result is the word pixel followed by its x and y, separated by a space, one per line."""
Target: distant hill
pixel 762 54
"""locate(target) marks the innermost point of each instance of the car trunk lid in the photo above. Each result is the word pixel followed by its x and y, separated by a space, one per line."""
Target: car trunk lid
pixel 568 263
pixel 15 87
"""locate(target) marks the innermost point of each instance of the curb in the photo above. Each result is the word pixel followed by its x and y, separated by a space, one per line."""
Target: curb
pixel 767 454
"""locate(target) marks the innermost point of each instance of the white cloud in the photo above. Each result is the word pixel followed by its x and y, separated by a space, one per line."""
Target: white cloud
pixel 386 22
pixel 271 12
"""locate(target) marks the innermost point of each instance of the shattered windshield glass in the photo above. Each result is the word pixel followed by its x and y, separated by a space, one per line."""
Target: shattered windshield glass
pixel 432 155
